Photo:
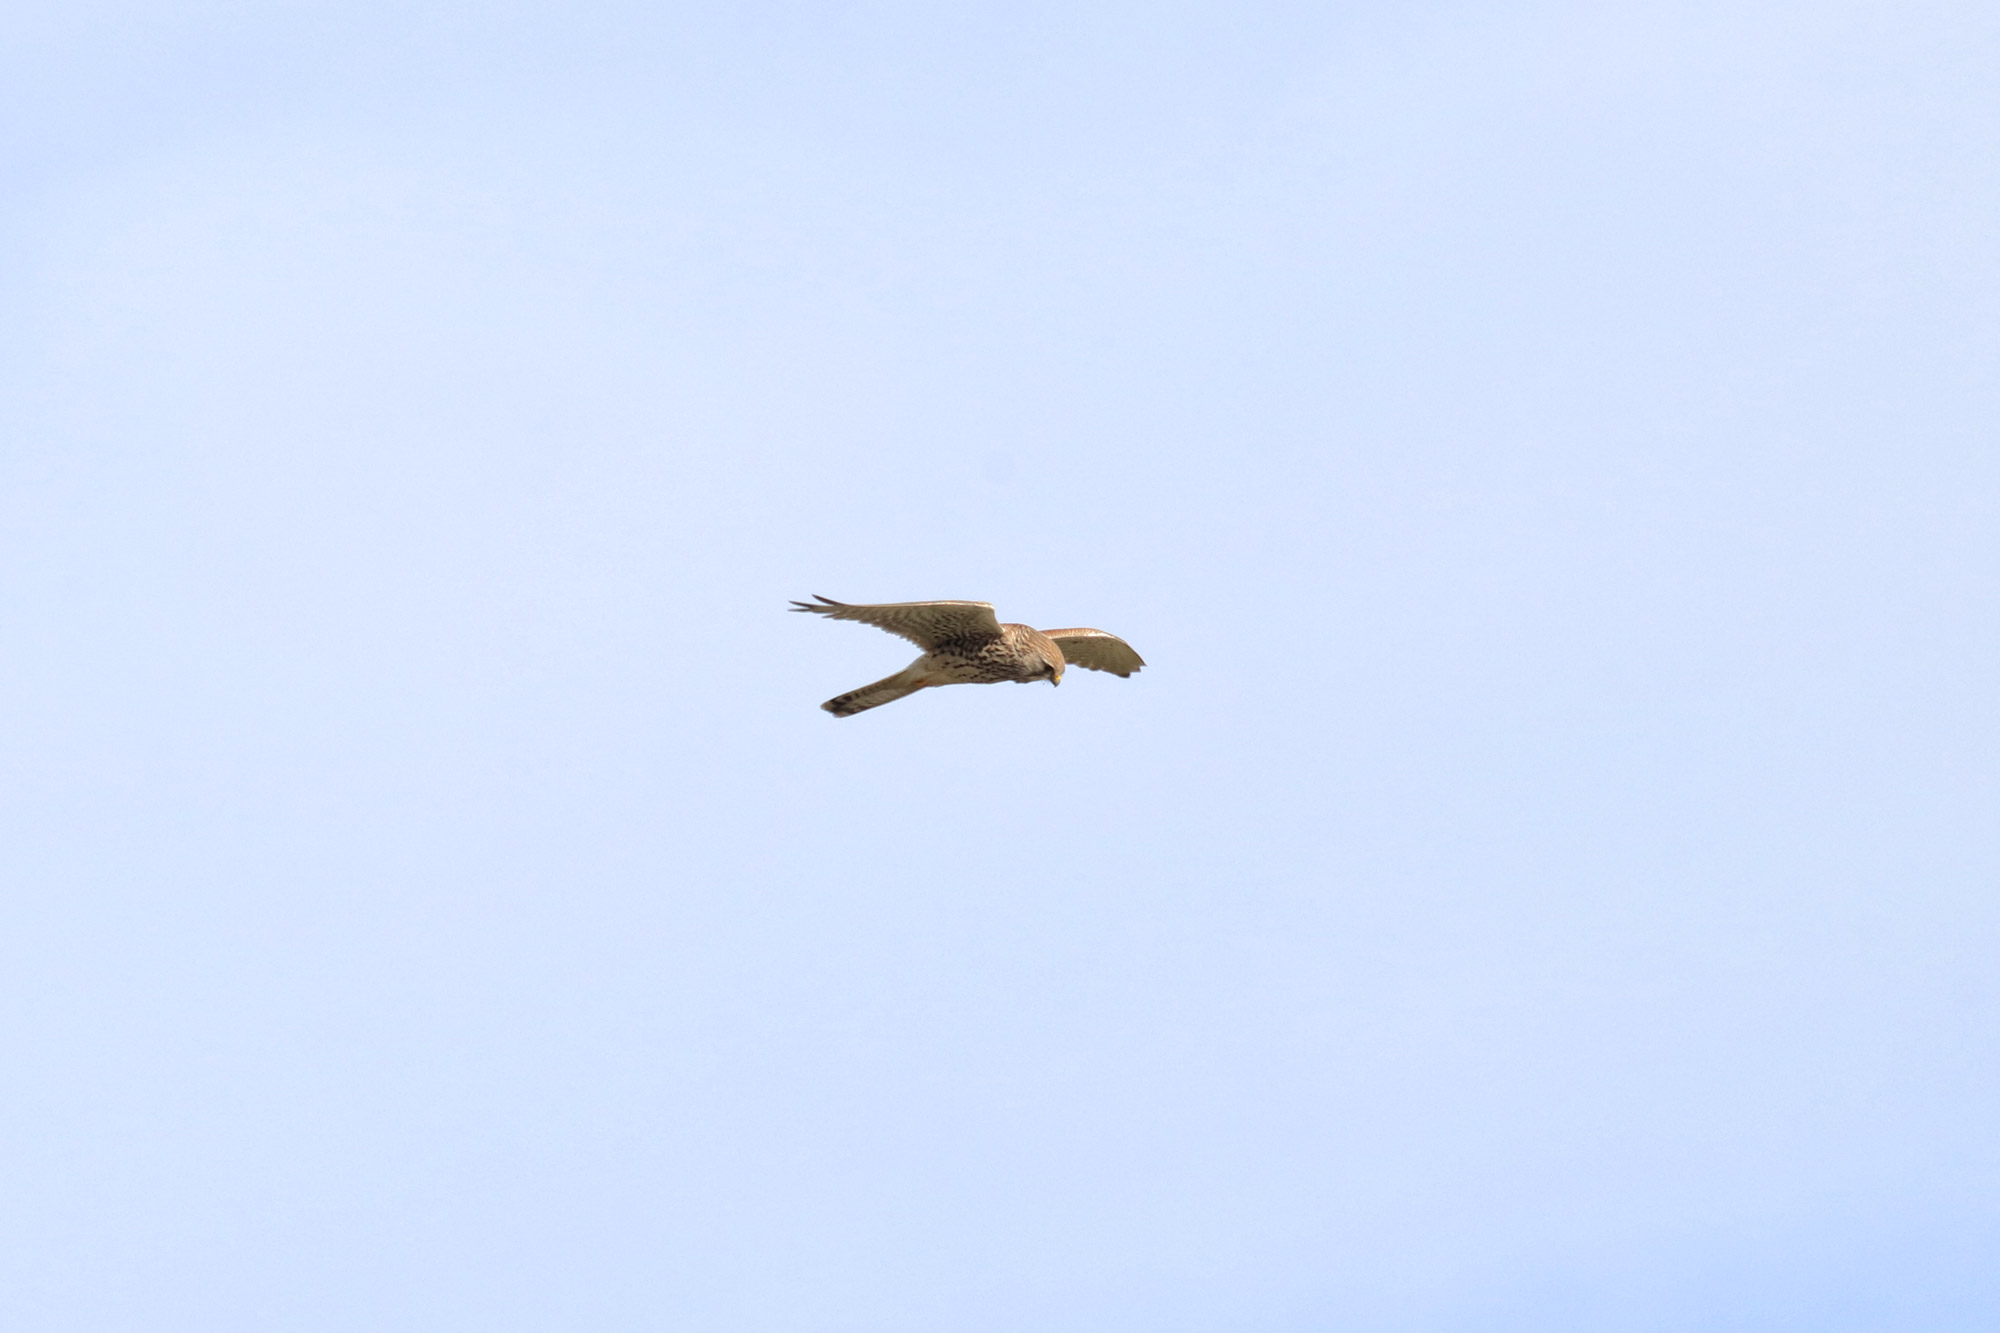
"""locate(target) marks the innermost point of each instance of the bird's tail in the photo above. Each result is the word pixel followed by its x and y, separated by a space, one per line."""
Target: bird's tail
pixel 884 691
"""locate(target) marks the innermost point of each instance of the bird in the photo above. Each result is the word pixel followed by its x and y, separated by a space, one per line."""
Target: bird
pixel 965 645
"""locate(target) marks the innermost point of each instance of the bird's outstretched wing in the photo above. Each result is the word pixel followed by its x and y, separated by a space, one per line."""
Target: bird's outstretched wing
pixel 926 624
pixel 1095 649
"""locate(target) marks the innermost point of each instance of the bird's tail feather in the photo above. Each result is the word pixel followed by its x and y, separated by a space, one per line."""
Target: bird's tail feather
pixel 884 691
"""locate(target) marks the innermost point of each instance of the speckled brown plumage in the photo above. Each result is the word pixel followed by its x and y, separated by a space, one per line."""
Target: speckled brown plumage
pixel 964 644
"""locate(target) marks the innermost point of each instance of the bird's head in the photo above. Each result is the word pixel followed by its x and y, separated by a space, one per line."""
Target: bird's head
pixel 1055 670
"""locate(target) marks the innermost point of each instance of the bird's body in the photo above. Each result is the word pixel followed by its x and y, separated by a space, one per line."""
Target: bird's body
pixel 965 645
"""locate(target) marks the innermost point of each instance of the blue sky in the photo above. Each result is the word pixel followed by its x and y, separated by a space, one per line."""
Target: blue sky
pixel 1543 880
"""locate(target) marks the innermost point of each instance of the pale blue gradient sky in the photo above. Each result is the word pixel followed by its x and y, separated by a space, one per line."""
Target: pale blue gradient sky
pixel 1545 881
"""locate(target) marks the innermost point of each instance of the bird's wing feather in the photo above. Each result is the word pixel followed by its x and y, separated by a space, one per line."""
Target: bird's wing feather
pixel 926 624
pixel 1095 649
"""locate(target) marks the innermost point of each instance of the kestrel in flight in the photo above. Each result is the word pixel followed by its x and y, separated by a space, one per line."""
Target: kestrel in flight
pixel 964 645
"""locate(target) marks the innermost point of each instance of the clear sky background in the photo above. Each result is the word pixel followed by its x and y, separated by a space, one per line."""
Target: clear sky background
pixel 1545 879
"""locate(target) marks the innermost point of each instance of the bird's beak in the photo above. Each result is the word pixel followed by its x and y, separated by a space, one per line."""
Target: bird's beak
pixel 1056 679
